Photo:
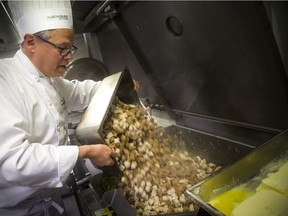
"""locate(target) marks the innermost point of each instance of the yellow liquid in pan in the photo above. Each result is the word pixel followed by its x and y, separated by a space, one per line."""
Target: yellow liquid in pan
pixel 269 198
pixel 226 202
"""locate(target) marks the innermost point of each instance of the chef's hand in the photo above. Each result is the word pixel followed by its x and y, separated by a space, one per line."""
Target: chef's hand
pixel 99 155
pixel 136 85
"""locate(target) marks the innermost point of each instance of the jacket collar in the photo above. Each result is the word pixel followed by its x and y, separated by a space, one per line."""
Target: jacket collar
pixel 26 63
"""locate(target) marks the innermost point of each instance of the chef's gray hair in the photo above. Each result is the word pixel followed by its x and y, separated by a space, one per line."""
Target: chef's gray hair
pixel 44 34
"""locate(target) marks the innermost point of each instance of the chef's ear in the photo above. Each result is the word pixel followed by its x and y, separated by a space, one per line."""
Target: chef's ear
pixel 29 39
pixel 29 43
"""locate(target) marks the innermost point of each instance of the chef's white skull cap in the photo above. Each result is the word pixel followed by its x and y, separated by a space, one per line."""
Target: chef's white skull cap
pixel 35 16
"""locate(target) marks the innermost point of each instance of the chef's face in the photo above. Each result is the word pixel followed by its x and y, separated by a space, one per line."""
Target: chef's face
pixel 49 59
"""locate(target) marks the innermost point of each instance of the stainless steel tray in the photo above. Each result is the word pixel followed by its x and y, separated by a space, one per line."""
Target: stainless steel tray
pixel 239 172
pixel 90 128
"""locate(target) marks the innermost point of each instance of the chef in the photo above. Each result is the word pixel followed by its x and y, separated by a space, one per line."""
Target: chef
pixel 35 160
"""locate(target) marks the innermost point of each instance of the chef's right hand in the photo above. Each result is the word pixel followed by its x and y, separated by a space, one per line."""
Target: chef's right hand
pixel 99 154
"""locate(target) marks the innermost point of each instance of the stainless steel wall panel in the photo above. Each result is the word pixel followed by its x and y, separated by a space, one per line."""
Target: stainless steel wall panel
pixel 225 64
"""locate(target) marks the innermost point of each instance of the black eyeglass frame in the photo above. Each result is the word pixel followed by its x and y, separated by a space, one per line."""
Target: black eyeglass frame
pixel 63 51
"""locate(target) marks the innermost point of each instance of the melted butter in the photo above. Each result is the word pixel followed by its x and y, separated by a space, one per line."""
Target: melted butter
pixel 227 201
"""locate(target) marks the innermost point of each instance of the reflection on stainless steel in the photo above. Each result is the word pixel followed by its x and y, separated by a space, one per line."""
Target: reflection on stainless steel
pixel 86 68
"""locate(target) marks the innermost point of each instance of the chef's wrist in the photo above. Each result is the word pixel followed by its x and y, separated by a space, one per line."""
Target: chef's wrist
pixel 83 152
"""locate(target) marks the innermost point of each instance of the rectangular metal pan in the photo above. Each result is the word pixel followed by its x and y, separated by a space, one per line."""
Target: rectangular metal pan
pixel 238 173
pixel 89 130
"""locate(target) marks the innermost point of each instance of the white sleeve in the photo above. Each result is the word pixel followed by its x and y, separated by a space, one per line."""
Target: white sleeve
pixel 78 94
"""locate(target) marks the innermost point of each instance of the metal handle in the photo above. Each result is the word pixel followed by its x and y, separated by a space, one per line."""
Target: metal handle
pixel 101 10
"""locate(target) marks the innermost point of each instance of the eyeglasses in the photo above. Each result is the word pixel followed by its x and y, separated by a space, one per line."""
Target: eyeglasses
pixel 62 51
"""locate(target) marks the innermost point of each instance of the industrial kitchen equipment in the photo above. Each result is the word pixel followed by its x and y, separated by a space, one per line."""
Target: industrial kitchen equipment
pixel 213 67
pixel 216 149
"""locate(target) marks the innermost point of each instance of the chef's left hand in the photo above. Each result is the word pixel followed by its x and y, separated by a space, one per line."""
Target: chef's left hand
pixel 136 85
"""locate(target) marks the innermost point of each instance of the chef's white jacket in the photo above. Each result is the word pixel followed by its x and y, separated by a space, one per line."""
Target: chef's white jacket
pixel 33 128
